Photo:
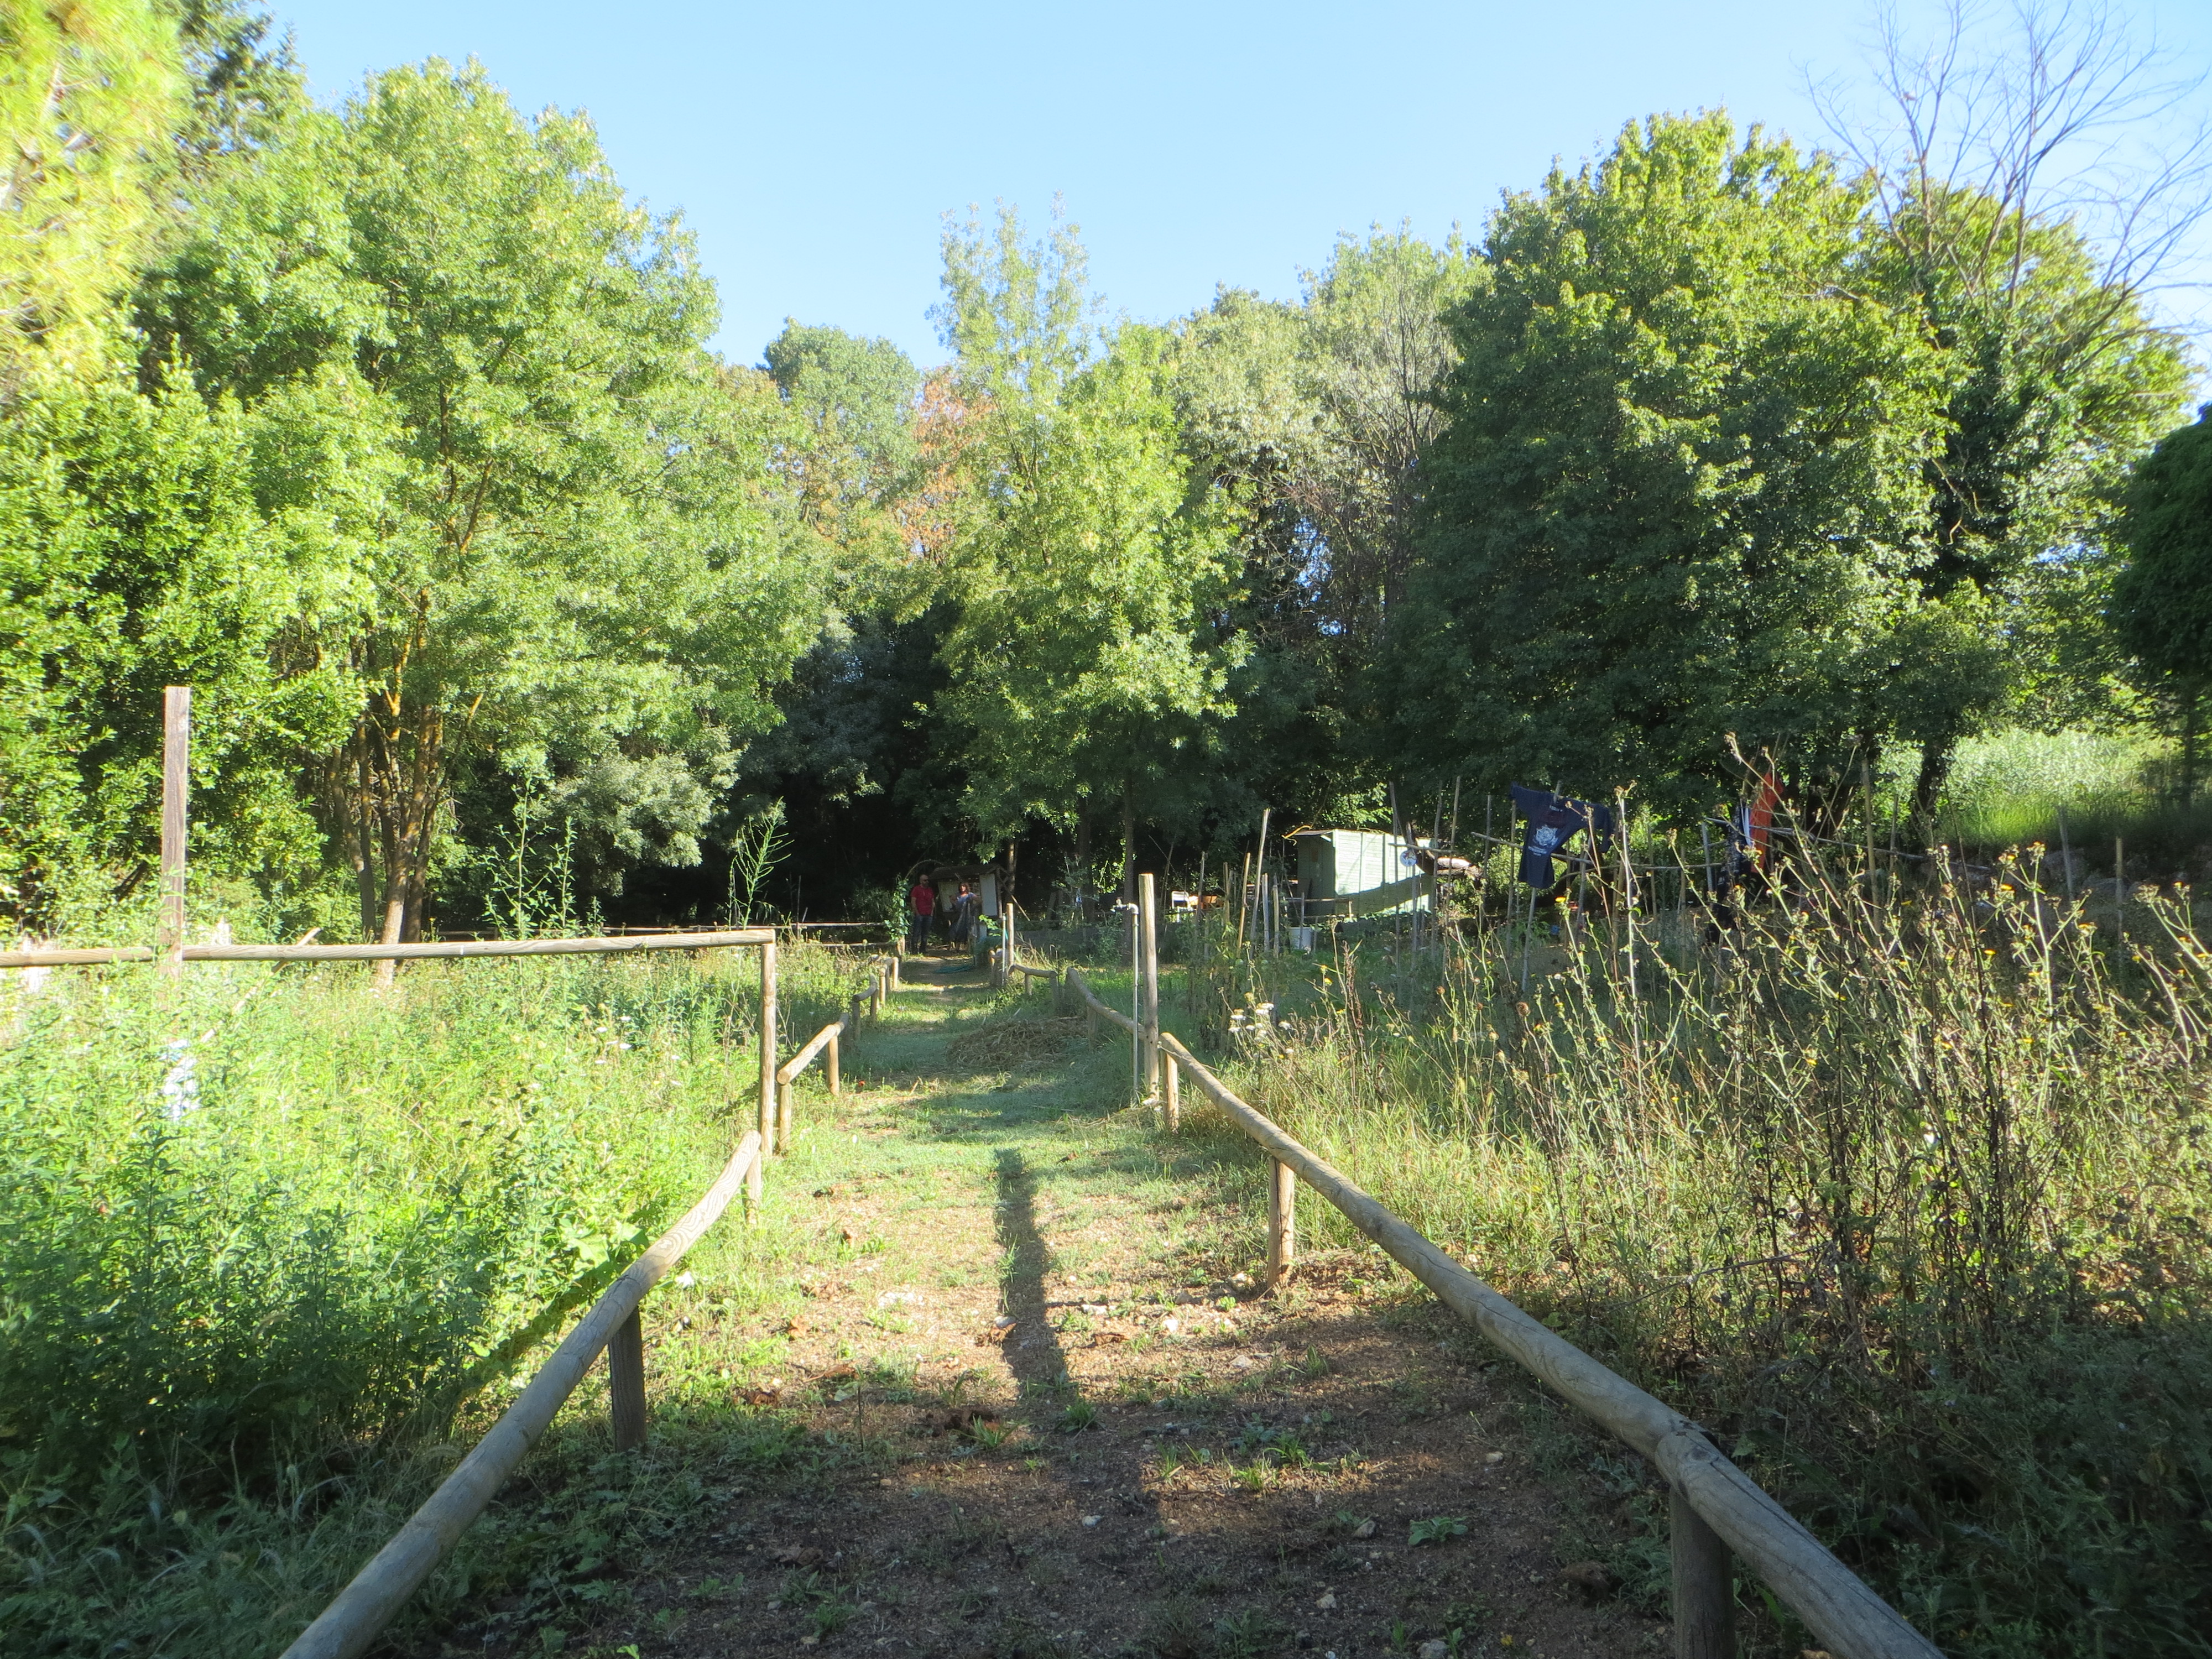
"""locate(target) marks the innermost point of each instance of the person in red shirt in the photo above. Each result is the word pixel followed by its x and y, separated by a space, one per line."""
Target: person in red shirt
pixel 923 902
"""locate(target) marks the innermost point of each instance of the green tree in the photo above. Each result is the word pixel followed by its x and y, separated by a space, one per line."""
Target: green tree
pixel 2060 381
pixel 91 93
pixel 1677 488
pixel 479 393
pixel 1313 421
pixel 1087 566
pixel 133 556
pixel 2162 601
pixel 2035 168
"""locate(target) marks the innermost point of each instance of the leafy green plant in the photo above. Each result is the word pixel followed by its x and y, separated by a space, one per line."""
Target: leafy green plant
pixel 1437 1529
pixel 1079 1415
pixel 758 847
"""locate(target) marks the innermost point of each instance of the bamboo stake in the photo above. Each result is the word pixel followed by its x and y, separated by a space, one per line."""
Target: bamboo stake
pixel 176 784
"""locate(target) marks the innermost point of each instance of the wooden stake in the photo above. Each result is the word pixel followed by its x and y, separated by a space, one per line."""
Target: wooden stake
pixel 1705 1594
pixel 626 1383
pixel 1282 1221
pixel 836 1078
pixel 768 1049
pixel 2119 908
pixel 1171 1090
pixel 176 785
pixel 1148 919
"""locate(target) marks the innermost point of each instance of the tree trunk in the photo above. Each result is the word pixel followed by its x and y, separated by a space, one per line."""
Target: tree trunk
pixel 1128 842
pixel 1936 757
pixel 2192 704
pixel 1083 859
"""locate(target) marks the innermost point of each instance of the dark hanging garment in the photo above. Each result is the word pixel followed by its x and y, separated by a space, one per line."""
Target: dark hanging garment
pixel 1548 824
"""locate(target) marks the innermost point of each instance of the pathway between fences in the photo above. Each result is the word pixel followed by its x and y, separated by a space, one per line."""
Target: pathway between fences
pixel 1008 1382
pixel 1038 1378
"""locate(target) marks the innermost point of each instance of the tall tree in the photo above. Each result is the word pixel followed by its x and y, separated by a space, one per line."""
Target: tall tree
pixel 478 384
pixel 1086 565
pixel 1676 495
pixel 2025 219
pixel 2161 603
pixel 91 93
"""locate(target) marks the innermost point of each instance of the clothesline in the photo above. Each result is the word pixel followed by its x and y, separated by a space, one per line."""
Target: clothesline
pixel 1583 860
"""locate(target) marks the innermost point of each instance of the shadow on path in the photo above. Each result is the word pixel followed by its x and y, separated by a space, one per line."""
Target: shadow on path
pixel 1033 1350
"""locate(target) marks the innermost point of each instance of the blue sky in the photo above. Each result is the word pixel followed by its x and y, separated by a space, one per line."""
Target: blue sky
pixel 814 149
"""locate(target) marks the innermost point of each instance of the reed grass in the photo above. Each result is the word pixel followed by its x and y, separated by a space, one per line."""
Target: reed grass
pixel 1902 1188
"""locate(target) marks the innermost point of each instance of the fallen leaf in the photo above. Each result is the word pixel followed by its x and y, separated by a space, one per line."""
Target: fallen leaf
pixel 1364 1529
pixel 1105 1337
pixel 760 1396
pixel 838 1373
pixel 797 1555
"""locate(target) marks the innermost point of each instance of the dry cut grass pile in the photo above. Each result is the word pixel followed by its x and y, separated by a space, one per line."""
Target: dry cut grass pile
pixel 1005 1045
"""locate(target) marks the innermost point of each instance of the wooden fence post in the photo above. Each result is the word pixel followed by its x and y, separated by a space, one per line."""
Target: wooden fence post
pixel 836 1078
pixel 1704 1594
pixel 768 1049
pixel 784 1091
pixel 176 787
pixel 1282 1221
pixel 1148 913
pixel 1170 1091
pixel 626 1381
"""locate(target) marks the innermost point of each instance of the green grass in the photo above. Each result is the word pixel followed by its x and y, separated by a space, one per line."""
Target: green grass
pixel 247 1314
pixel 1909 1203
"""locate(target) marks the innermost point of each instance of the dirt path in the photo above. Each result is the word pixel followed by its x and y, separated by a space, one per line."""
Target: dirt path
pixel 1066 1423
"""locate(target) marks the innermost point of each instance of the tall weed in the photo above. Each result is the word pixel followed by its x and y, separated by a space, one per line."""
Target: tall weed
pixel 265 1236
pixel 1903 1195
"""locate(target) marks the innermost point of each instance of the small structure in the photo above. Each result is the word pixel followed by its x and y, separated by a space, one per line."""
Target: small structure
pixel 1359 872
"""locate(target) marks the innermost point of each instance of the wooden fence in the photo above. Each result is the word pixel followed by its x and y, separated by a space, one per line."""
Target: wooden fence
pixel 1714 1508
pixel 616 1326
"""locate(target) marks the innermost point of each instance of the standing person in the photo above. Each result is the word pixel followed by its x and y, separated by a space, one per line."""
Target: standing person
pixel 923 902
pixel 963 915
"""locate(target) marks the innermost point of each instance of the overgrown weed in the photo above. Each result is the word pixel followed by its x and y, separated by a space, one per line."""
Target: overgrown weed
pixel 1903 1193
pixel 251 1305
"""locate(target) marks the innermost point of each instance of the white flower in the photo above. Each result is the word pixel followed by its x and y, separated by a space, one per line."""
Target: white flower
pixel 181 1089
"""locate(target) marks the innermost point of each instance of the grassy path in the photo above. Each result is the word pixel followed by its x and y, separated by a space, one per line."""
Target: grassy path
pixel 990 1377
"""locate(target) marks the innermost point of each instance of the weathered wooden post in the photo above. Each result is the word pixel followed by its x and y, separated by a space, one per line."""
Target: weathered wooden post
pixel 626 1381
pixel 1282 1221
pixel 1171 1093
pixel 785 1089
pixel 768 1049
pixel 1705 1594
pixel 1149 970
pixel 176 788
pixel 836 1078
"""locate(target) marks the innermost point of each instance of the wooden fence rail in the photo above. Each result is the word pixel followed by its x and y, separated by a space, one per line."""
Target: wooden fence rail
pixel 1715 1507
pixel 95 957
pixel 615 1326
pixel 353 1620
